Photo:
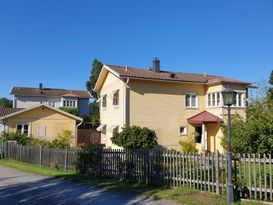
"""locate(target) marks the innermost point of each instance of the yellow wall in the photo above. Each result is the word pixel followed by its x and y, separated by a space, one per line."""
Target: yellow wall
pixel 160 106
pixel 55 122
pixel 112 115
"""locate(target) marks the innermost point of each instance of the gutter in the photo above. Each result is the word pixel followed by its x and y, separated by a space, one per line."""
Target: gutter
pixel 76 134
pixel 125 103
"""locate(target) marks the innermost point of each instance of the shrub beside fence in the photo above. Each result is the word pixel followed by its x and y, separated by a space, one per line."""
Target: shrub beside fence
pixel 60 158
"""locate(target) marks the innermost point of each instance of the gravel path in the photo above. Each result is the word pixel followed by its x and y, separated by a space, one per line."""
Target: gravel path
pixel 17 187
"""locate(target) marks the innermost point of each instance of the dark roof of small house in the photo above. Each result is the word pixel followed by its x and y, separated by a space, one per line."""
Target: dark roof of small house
pixel 204 117
pixel 49 92
pixel 7 111
pixel 146 74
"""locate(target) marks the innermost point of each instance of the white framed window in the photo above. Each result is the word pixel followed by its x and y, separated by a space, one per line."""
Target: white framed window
pixel 69 103
pixel 103 130
pixel 22 128
pixel 104 101
pixel 116 98
pixel 115 130
pixel 52 103
pixel 191 100
pixel 214 99
pixel 41 131
pixel 183 130
pixel 239 100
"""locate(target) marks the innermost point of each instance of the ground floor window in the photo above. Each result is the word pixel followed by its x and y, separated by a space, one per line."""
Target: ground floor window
pixel 22 128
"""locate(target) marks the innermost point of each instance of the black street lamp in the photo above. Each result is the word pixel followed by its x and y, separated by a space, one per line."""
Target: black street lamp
pixel 229 97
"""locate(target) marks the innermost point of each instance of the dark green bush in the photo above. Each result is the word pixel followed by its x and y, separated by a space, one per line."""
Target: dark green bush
pixel 71 110
pixel 16 136
pixel 88 159
pixel 135 137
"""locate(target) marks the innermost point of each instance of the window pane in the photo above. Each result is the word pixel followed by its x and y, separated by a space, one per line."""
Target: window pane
pixel 25 129
pixel 218 99
pixel 213 99
pixel 236 101
pixel 240 99
pixel 74 104
pixel 19 128
pixel 188 99
pixel 209 99
pixel 193 101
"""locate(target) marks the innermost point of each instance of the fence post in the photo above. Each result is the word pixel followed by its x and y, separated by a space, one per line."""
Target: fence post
pixel 65 159
pixel 41 150
pixel 217 171
pixel 146 166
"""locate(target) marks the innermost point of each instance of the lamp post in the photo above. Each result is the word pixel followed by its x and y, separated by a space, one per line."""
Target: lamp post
pixel 229 99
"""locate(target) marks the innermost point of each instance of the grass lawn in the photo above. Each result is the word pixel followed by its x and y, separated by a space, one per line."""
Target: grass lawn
pixel 181 195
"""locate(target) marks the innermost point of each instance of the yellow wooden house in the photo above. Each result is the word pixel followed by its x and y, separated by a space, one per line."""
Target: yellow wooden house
pixel 42 122
pixel 177 106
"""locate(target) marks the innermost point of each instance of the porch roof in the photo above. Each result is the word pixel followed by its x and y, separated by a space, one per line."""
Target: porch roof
pixel 204 117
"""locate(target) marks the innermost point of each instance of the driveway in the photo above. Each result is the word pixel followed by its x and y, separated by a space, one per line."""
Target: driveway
pixel 17 187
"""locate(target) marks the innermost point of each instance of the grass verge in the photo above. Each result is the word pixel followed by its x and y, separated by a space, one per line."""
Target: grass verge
pixel 181 195
pixel 34 168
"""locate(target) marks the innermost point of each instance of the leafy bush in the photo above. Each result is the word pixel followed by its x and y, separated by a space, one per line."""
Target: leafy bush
pixel 16 136
pixel 37 142
pixel 135 137
pixel 188 146
pixel 62 141
pixel 71 110
pixel 87 158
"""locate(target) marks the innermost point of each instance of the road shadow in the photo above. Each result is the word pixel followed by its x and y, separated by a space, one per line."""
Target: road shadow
pixel 51 191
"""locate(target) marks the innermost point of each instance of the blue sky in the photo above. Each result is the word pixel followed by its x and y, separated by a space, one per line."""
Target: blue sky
pixel 54 42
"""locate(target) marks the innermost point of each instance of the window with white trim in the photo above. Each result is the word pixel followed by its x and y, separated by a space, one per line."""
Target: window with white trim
pixel 103 130
pixel 116 98
pixel 214 99
pixel 183 130
pixel 52 103
pixel 191 100
pixel 22 128
pixel 41 131
pixel 239 100
pixel 69 103
pixel 104 101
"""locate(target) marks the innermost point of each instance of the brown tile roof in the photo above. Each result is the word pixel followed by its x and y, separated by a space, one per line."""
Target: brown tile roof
pixel 146 74
pixel 48 92
pixel 7 111
pixel 204 117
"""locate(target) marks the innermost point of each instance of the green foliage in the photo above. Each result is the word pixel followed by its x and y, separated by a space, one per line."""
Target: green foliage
pixel 188 146
pixel 87 158
pixel 71 110
pixel 62 141
pixel 96 68
pixel 5 102
pixel 16 136
pixel 135 137
pixel 54 165
pixel 95 114
pixel 37 142
pixel 255 134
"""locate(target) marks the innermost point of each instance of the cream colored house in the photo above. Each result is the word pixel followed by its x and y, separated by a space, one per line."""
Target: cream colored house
pixel 178 106
pixel 42 122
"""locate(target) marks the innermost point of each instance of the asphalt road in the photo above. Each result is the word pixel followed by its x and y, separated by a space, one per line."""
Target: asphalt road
pixel 17 187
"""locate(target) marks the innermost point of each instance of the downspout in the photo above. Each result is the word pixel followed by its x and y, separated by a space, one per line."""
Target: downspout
pixel 76 134
pixel 125 103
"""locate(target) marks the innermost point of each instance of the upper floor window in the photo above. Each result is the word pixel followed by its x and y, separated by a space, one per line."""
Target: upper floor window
pixel 52 103
pixel 116 98
pixel 239 100
pixel 69 103
pixel 22 128
pixel 213 99
pixel 191 100
pixel 104 101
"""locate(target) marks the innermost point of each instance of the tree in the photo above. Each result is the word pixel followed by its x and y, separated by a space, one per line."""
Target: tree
pixel 270 89
pixel 96 68
pixel 135 137
pixel 5 102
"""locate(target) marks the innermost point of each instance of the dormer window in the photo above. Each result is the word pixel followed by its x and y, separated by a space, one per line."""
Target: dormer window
pixel 69 103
